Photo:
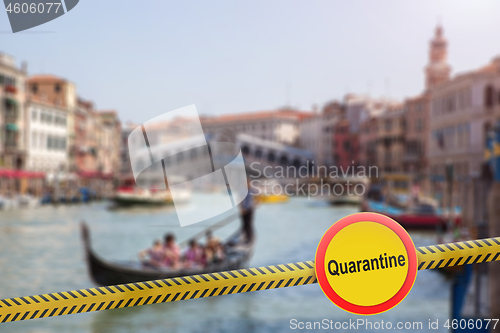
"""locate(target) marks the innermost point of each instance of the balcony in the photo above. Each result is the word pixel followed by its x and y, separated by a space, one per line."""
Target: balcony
pixel 10 89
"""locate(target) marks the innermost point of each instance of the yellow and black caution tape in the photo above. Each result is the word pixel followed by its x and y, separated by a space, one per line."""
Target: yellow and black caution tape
pixel 217 284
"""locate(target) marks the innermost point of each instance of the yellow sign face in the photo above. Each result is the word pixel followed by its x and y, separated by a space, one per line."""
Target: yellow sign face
pixel 366 263
pixel 363 269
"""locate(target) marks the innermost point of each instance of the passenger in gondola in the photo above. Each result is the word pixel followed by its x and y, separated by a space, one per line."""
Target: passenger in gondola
pixel 193 257
pixel 171 252
pixel 153 256
pixel 214 251
pixel 247 207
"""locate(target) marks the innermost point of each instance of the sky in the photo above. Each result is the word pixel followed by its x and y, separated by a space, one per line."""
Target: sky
pixel 144 58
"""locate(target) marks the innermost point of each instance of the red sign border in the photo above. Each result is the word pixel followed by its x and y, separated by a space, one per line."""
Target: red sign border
pixel 410 250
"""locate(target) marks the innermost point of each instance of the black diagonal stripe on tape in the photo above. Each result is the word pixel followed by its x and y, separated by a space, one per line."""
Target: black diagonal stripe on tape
pixel 279 283
pixel 177 282
pixel 111 304
pixel 439 263
pixel 430 264
pixel 270 285
pixel 495 240
pixel 100 290
pixel 421 265
pixel 448 262
pixel 15 317
pixel 53 297
pixel 421 250
pixel 241 272
pixel 91 307
pixel 467 243
pixel 430 249
pixel 458 245
pixel 307 264
pixel 148 285
pixel 486 258
pixel 232 274
pixel 138 286
pixel 166 282
pixel 495 257
pixel 223 275
pixel 260 286
pixel 6 317
pixel 279 269
pixel 24 300
pixel 73 309
pixel 138 301
pixel 34 299
pixel 81 293
pixel 466 261
pixel 297 264
pixel 251 287
pixel 204 278
pixel 270 269
pixel 477 243
pixel 213 276
pixel 307 280
pixel 194 294
pixel 485 241
pixel 213 292
pixel 62 311
pixel 166 298
pixel 439 248
pixel 232 289
pixel 25 315
pixel 91 292
pixel 71 294
pixel 449 247
pixel 53 312
pixel 44 298
pixel 157 284
pixel 119 289
pixel 100 306
pixel 43 313
pixel 298 281
pixel 128 287
pixel 110 290
pixel 260 271
pixel 241 288
pixel 289 281
pixel 251 272
pixel 458 261
pixel 15 301
pixel 147 300
pixel 222 291
pixel 289 267
pixel 185 295
pixel 62 295
pixel 118 304
pixel 156 299
pixel 128 303
pixel 477 258
pixel 34 314
pixel 203 293
pixel 6 303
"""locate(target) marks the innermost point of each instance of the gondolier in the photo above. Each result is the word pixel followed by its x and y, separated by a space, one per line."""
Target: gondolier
pixel 247 207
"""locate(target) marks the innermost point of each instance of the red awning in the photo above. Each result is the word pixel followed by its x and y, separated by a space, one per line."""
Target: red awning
pixel 8 173
pixel 94 174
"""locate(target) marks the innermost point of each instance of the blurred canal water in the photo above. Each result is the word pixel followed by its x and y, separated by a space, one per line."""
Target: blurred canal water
pixel 41 252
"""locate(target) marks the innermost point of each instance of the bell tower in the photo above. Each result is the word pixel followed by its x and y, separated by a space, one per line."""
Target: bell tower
pixel 438 70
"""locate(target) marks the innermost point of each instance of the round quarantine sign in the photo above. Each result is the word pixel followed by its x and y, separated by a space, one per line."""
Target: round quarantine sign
pixel 366 263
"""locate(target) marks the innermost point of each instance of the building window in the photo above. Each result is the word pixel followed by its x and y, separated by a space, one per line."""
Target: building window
pixel 34 89
pixel 57 88
pixel 388 125
pixel 489 96
pixel 419 125
pixel 34 115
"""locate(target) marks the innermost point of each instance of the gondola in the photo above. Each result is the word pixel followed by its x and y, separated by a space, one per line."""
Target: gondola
pixel 105 273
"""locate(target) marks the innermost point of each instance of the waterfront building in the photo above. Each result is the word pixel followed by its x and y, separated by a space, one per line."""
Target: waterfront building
pixel 49 123
pixel 12 100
